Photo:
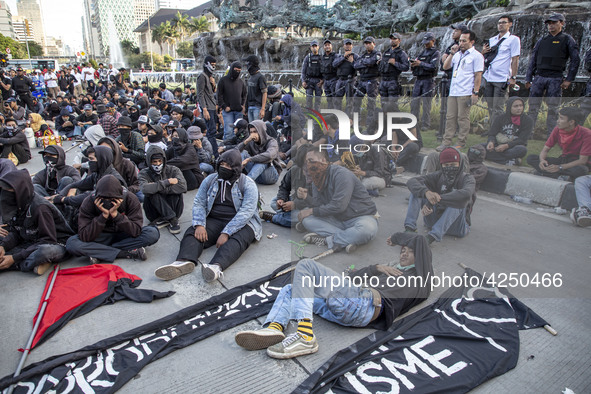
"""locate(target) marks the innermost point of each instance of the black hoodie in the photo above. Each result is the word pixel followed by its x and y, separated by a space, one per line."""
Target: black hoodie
pixel 36 222
pixel 508 132
pixel 16 136
pixel 182 155
pixel 125 167
pixel 44 177
pixel 153 183
pixel 231 92
pixel 398 300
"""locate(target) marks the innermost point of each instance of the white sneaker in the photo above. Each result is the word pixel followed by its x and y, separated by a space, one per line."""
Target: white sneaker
pixel 174 270
pixel 211 272
pixel 259 339
pixel 293 346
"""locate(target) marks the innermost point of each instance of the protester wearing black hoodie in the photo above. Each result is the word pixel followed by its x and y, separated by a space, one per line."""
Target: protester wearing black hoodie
pixel 374 305
pixel 130 141
pixel 182 155
pixel 125 167
pixel 110 225
pixel 37 231
pixel 232 98
pixel 260 154
pixel 56 175
pixel 206 87
pixel 163 186
pixel 508 134
pixel 13 140
pixel 66 123
pixel 240 134
pixel 443 197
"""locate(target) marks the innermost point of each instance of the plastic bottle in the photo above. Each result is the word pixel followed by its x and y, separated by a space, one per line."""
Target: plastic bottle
pixel 557 210
pixel 523 200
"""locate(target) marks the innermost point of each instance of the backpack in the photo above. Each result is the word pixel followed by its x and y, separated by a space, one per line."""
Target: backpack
pixel 492 54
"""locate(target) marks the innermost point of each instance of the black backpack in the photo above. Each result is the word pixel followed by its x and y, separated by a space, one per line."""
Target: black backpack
pixel 492 54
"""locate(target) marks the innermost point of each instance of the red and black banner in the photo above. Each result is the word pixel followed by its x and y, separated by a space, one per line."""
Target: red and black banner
pixel 468 336
pixel 107 365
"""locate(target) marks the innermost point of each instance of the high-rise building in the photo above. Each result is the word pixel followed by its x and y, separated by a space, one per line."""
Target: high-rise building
pixel 92 45
pixel 177 4
pixel 23 29
pixel 31 10
pixel 6 28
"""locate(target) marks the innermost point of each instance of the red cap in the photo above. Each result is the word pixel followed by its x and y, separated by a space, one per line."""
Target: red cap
pixel 449 155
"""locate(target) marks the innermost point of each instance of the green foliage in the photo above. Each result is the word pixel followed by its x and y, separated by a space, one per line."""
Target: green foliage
pixel 34 48
pixel 185 49
pixel 167 59
pixel 129 48
pixel 17 50
pixel 198 25
pixel 136 61
pixel 503 3
pixel 94 63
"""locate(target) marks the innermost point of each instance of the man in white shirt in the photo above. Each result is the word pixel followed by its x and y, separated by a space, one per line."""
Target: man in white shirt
pixel 468 65
pixel 77 82
pixel 87 75
pixel 501 61
pixel 103 73
pixel 51 83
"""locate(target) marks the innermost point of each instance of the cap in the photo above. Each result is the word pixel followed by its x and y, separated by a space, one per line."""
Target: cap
pixel 19 68
pixel 274 91
pixel 195 133
pixel 314 42
pixel 156 127
pixel 164 119
pixel 369 39
pixel 555 18
pixel 449 155
pixel 347 41
pixel 327 40
pixel 10 100
pixel 396 35
pixel 173 123
pixel 110 105
pixel 129 103
pixel 124 121
pixel 143 119
pixel 459 26
pixel 427 37
pixel 87 106
pixel 64 112
pixel 101 108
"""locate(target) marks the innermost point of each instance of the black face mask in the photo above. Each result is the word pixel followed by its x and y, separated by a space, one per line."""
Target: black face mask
pixel 253 70
pixel 93 166
pixel 9 206
pixel 225 173
pixel 450 174
pixel 124 132
pixel 107 203
pixel 176 141
pixel 154 138
pixel 50 161
pixel 234 74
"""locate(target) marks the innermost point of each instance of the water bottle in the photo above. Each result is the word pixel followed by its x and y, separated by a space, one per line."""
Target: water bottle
pixel 556 210
pixel 523 200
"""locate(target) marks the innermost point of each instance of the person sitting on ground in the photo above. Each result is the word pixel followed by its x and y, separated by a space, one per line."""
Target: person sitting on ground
pixel 182 155
pixel 36 122
pixel 178 114
pixel 203 148
pixel 410 148
pixel 14 111
pixel 285 203
pixel 241 133
pixel 575 142
pixel 345 304
pixel 131 142
pixel 163 186
pixel 126 168
pixel 87 118
pixel 155 137
pixel 581 216
pixel 106 121
pixel 508 134
pixel 66 124
pixel 260 154
pixel 443 197
pixel 340 213
pixel 225 215
pixel 13 140
pixel 34 232
pixel 56 175
pixel 371 167
pixel 476 156
pixel 110 225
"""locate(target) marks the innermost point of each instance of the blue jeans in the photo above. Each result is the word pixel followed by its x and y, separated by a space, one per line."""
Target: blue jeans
pixel 229 119
pixel 212 130
pixel 583 191
pixel 356 231
pixel 346 304
pixel 140 196
pixel 48 253
pixel 206 168
pixel 451 221
pixel 264 174
pixel 65 181
pixel 253 113
pixel 283 218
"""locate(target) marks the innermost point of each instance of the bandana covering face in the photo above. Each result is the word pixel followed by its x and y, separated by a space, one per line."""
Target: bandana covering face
pixel 450 174
pixel 317 172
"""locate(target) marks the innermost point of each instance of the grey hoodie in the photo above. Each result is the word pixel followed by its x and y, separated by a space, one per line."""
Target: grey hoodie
pixel 266 150
pixel 153 183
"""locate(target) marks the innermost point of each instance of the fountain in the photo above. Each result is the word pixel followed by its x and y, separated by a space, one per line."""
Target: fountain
pixel 115 52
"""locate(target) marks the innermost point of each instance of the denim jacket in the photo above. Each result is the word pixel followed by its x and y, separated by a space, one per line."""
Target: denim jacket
pixel 245 205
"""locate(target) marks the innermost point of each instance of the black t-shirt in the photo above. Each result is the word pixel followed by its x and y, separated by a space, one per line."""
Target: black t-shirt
pixel 257 84
pixel 6 93
pixel 223 205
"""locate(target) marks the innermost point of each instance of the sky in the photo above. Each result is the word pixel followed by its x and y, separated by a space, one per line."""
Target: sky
pixel 61 18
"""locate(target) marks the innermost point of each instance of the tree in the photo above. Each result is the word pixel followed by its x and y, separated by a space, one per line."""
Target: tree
pixel 34 48
pixel 171 35
pixel 167 59
pixel 158 35
pixel 185 49
pixel 181 23
pixel 129 48
pixel 15 47
pixel 136 61
pixel 198 25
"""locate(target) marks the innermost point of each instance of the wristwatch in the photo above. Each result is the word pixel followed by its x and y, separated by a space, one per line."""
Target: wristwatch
pixel 475 93
pixel 560 168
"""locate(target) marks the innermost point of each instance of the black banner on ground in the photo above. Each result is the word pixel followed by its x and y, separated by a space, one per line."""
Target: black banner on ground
pixel 107 365
pixel 465 338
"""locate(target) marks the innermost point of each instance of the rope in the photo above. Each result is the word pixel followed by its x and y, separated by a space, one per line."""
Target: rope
pixel 300 248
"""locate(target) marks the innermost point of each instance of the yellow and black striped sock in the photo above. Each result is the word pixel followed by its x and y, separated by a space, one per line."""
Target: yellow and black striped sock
pixel 305 329
pixel 276 326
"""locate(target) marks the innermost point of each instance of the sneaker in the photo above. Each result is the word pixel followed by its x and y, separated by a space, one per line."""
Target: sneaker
pixel 584 217
pixel 441 147
pixel 517 161
pixel 94 260
pixel 430 239
pixel 293 346
pixel 174 270
pixel 259 339
pixel 174 226
pixel 300 227
pixel 42 268
pixel 459 147
pixel 138 254
pixel 160 223
pixel 313 238
pixel 211 272
pixel 266 216
pixel 510 163
pixel 408 229
pixel 350 248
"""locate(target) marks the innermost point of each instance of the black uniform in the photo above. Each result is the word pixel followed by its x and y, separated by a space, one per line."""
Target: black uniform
pixel 425 85
pixel 389 87
pixel 312 75
pixel 329 74
pixel 23 86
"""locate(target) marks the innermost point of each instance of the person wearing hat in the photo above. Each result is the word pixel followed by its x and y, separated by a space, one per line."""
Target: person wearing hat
pixel 206 88
pixel 312 76
pixel 394 61
pixel 112 109
pixel 329 73
pixel 66 124
pixel 275 108
pixel 36 229
pixel 346 75
pixel 367 65
pixel 130 141
pixel 106 121
pixel 546 69
pixel 443 197
pixel 142 127
pixel 232 98
pixel 501 59
pixel 87 118
pixel 56 175
pixel 13 110
pixel 13 140
pixel 156 137
pixel 424 68
pixel 203 148
pixel 23 86
pixel 256 91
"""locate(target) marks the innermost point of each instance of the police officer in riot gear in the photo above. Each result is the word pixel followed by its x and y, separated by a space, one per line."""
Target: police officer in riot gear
pixel 329 73
pixel 23 86
pixel 312 75
pixel 547 64
pixel 346 74
pixel 368 66
pixel 394 61
pixel 424 68
pixel 446 79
